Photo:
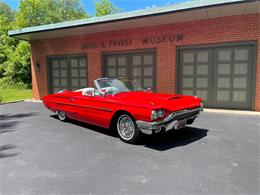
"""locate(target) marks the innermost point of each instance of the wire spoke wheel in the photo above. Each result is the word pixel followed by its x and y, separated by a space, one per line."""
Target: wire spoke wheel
pixel 62 115
pixel 127 130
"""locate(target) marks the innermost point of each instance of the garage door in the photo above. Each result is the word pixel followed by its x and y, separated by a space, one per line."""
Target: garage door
pixel 67 72
pixel 222 76
pixel 139 66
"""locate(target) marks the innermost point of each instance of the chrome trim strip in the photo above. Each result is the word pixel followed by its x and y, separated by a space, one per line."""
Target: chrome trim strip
pixel 94 108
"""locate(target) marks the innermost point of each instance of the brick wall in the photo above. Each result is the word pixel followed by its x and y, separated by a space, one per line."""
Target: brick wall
pixel 210 31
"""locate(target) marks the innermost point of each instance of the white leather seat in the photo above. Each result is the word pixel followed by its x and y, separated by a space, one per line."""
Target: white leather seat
pixel 89 91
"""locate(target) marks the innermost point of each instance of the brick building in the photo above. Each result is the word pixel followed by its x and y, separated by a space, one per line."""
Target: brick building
pixel 204 48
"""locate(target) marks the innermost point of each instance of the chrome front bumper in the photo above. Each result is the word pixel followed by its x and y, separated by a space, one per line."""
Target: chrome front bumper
pixel 169 122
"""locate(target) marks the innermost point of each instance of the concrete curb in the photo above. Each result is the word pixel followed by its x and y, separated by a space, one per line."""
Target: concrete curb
pixel 26 100
pixel 16 101
pixel 241 112
pixel 33 100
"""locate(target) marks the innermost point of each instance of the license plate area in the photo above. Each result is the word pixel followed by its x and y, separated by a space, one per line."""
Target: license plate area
pixel 176 125
pixel 180 124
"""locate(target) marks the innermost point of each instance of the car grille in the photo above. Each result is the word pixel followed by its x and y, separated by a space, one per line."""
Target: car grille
pixel 184 114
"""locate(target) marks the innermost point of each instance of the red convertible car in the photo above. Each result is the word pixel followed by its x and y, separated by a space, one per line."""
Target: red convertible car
pixel 123 105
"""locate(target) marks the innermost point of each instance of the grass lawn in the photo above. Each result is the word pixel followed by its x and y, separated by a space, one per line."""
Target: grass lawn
pixel 12 93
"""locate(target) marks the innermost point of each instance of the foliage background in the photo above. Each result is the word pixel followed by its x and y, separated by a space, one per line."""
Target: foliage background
pixel 15 54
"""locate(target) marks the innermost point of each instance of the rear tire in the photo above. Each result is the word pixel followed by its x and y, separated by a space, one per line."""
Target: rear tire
pixel 62 115
pixel 127 129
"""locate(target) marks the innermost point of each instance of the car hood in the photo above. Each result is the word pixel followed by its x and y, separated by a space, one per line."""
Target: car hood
pixel 171 102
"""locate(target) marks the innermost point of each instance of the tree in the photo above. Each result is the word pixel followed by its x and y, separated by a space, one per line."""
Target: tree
pixel 6 43
pixel 38 12
pixel 6 10
pixel 18 64
pixel 105 7
pixel 14 54
pixel 71 10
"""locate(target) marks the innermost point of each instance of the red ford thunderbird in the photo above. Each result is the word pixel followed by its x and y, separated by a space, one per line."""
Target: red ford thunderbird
pixel 123 105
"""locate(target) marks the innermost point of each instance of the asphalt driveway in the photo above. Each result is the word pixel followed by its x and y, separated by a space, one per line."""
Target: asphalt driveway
pixel 41 155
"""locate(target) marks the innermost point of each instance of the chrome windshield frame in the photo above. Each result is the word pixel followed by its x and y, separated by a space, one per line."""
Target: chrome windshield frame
pixel 97 85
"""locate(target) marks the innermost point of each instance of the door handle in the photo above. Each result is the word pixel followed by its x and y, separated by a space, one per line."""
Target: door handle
pixel 72 99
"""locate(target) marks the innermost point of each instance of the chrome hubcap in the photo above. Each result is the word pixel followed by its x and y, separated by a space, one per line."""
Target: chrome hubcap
pixel 125 126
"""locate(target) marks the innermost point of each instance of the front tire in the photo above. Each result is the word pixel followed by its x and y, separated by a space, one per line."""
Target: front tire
pixel 127 129
pixel 62 115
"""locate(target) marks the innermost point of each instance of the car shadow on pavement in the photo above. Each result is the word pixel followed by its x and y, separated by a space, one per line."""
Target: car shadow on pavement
pixel 104 131
pixel 174 138
pixel 161 142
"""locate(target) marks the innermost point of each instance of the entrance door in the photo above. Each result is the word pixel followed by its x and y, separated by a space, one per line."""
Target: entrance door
pixel 67 72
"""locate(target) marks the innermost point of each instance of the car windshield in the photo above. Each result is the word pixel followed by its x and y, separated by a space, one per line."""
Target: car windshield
pixel 114 86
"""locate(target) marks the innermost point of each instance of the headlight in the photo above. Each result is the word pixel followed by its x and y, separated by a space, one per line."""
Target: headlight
pixel 161 113
pixel 157 114
pixel 154 115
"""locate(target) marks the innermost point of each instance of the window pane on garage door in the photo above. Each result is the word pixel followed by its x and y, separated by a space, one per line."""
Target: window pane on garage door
pixel 67 72
pixel 138 66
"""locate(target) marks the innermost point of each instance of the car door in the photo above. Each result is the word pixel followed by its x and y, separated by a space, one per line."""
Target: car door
pixel 66 104
pixel 96 110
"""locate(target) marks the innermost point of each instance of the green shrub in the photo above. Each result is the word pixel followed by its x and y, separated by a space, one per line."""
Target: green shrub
pixel 5 83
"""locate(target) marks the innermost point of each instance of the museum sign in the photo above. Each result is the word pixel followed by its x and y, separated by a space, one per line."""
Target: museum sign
pixel 147 40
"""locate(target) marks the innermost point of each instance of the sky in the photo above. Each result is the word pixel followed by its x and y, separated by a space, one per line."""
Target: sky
pixel 126 5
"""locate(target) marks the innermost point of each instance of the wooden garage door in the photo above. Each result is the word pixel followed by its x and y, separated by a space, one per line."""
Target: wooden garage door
pixel 222 76
pixel 67 72
pixel 139 66
pixel 194 74
pixel 233 77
